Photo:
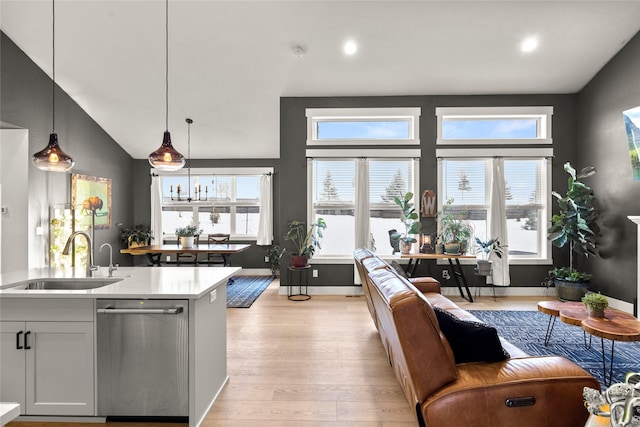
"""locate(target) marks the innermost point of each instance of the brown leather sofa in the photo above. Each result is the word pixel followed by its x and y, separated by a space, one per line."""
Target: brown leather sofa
pixel 522 390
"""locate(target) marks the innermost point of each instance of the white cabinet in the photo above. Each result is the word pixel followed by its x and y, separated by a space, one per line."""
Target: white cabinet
pixel 47 365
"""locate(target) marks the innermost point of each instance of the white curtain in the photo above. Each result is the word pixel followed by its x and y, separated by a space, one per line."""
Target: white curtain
pixel 363 231
pixel 156 210
pixel 265 222
pixel 498 226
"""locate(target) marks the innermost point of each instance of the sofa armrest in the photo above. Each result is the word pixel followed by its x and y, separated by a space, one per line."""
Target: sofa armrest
pixel 426 284
pixel 552 386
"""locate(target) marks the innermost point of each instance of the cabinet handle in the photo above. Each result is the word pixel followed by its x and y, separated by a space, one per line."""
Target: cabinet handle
pixel 26 340
pixel 18 346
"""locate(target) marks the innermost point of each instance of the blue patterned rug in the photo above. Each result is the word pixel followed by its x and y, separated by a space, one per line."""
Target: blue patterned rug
pixel 242 291
pixel 526 330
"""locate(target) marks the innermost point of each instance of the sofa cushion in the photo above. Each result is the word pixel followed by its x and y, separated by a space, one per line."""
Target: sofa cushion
pixel 398 268
pixel 470 341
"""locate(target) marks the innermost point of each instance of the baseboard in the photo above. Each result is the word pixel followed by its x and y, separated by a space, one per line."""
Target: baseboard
pixel 327 290
pixel 60 419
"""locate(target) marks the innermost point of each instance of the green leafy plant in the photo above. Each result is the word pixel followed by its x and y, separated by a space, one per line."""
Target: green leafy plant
pixel 274 253
pixel 140 234
pixel 409 218
pixel 454 228
pixel 488 247
pixel 595 300
pixel 575 225
pixel 305 239
pixel 189 230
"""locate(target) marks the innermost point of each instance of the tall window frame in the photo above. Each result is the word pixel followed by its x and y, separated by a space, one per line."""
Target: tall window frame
pixel 511 150
pixel 230 206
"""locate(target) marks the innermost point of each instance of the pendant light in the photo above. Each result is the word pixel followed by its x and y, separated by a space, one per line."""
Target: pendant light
pixel 166 158
pixel 52 158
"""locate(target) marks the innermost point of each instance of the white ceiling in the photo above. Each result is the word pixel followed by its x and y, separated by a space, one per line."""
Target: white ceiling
pixel 231 61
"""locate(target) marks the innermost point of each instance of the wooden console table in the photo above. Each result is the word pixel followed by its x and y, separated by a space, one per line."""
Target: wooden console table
pixel 154 252
pixel 455 268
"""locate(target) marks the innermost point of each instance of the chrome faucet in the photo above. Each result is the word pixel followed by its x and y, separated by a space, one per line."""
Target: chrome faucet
pixel 112 267
pixel 67 248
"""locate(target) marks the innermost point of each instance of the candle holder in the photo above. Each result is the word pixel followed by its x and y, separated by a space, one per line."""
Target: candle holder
pixel 427 246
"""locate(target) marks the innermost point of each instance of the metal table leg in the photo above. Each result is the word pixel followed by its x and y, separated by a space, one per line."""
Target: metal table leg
pixel 550 325
pixel 458 274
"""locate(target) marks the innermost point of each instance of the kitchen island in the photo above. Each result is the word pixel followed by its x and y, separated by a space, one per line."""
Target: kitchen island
pixel 49 336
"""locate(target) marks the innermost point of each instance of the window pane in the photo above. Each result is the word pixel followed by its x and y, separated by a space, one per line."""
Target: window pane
pixel 334 181
pixel 364 129
pixel 489 128
pixel 381 221
pixel 339 236
pixel 465 181
pixel 388 179
pixel 522 226
pixel 221 188
pixel 248 188
pixel 247 219
pixel 174 217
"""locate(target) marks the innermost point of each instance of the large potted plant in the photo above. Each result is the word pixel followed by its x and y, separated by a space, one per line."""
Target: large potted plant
pixel 187 235
pixel 305 240
pixel 273 255
pixel 487 248
pixel 575 225
pixel 409 218
pixel 455 230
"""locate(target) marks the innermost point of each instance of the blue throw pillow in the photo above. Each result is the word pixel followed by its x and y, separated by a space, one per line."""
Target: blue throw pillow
pixel 470 341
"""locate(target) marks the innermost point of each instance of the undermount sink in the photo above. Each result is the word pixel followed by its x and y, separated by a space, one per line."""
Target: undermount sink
pixel 65 284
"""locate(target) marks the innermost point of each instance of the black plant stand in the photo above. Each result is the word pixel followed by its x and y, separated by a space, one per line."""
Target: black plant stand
pixel 302 283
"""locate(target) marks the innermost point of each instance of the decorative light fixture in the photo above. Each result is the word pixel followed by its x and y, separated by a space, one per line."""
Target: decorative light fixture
pixel 166 158
pixel 198 188
pixel 52 158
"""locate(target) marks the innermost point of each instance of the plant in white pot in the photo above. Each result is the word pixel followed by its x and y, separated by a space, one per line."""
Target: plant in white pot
pixel 409 218
pixel 575 225
pixel 486 249
pixel 187 235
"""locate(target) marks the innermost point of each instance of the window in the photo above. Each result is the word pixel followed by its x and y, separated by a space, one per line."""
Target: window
pixel 465 175
pixel 362 126
pixel 468 183
pixel 226 202
pixel 333 197
pixel 494 125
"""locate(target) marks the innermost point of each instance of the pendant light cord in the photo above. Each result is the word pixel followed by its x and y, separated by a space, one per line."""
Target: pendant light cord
pixel 189 121
pixel 53 66
pixel 166 58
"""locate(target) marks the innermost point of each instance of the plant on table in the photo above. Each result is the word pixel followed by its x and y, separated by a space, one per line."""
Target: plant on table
pixel 138 235
pixel 595 303
pixel 305 240
pixel 409 218
pixel 455 230
pixel 189 230
pixel 575 225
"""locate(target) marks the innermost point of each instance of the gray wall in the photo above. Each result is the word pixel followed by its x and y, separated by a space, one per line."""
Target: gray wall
pixel 293 178
pixel 25 98
pixel 603 144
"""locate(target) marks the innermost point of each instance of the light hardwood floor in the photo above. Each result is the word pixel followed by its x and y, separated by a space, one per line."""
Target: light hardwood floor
pixel 316 363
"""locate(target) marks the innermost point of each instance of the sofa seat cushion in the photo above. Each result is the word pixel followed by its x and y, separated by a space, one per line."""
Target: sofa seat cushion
pixel 471 341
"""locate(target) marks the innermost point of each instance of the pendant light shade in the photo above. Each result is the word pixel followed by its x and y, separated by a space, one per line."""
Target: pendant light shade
pixel 52 158
pixel 166 158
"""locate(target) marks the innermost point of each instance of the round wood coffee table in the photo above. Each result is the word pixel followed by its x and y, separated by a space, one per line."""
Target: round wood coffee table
pixel 615 326
pixel 553 308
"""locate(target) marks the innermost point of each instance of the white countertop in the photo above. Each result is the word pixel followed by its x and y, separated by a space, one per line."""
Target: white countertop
pixel 8 412
pixel 137 282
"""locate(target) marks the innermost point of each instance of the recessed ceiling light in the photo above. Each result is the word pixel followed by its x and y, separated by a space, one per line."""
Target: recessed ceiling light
pixel 529 44
pixel 350 47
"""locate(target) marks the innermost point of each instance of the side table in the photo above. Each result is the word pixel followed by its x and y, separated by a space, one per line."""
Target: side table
pixel 303 282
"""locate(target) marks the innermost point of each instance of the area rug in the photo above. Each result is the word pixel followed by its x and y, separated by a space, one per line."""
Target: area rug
pixel 526 330
pixel 242 291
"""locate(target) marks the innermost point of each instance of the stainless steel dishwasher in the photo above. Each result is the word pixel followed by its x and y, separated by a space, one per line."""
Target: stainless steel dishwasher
pixel 143 360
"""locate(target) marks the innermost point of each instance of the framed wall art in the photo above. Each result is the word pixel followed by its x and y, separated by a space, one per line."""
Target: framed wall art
pixel 91 199
pixel 632 126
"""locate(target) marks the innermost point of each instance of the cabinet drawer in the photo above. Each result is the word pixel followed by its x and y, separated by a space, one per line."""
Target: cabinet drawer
pixel 47 309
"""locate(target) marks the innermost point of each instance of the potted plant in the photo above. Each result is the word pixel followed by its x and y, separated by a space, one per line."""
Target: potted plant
pixel 138 235
pixel 486 248
pixel 187 234
pixel 575 225
pixel 595 304
pixel 409 218
pixel 305 240
pixel 274 253
pixel 455 230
